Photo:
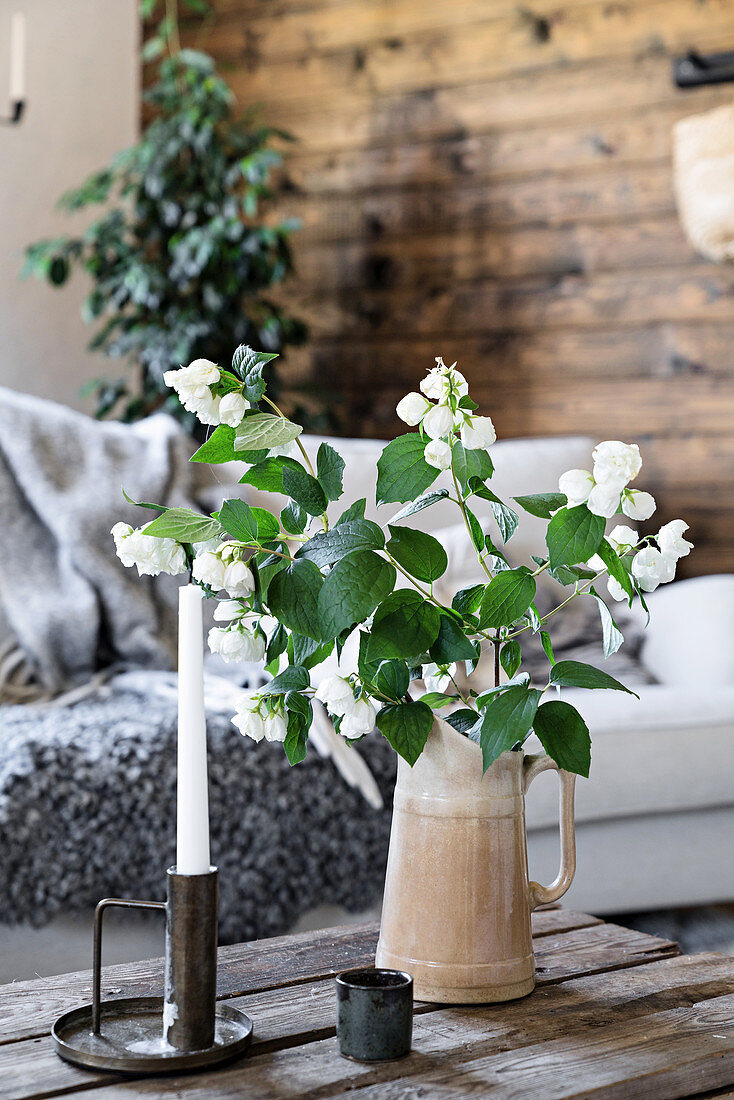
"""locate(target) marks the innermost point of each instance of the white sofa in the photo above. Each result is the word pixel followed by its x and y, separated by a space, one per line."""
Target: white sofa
pixel 655 822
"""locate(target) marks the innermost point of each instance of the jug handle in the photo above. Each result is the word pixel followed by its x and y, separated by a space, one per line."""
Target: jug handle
pixel 542 895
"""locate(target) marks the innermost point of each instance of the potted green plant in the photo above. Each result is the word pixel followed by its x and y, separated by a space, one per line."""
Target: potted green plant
pixel 180 259
pixel 298 587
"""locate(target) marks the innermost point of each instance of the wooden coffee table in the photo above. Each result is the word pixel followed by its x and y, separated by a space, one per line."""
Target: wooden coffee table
pixel 616 1013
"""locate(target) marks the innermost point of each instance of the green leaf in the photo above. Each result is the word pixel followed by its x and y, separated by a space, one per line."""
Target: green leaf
pixel 268 474
pixel 462 720
pixel 293 597
pixel 294 518
pixel 263 430
pixel 330 471
pixel 404 625
pixel 248 524
pixel 470 464
pixel 612 636
pixel 615 566
pixel 422 502
pixel 353 589
pixel 505 518
pixel 327 547
pixel 580 675
pixel 574 535
pixel 475 529
pixel 277 643
pixel 402 472
pixel 183 525
pixel 144 503
pixel 545 641
pixel 511 657
pixel 308 652
pixel 467 600
pixel 437 699
pixel 406 726
pixel 420 554
pixel 218 448
pixel 542 505
pixel 248 364
pixel 299 712
pixel 354 511
pixel 522 678
pixel 452 644
pixel 507 597
pixel 296 740
pixel 293 678
pixel 564 735
pixel 392 679
pixel 507 721
pixel 304 489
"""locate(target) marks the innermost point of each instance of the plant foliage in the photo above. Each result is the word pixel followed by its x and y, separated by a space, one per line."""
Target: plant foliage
pixel 180 259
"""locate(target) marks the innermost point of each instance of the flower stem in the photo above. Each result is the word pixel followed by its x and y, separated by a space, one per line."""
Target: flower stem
pixel 462 506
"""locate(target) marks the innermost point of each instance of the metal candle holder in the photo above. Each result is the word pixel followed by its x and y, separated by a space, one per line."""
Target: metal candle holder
pixel 186 1029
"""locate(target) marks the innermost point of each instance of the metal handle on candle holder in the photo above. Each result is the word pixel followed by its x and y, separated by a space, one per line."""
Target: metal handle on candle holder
pixel 109 903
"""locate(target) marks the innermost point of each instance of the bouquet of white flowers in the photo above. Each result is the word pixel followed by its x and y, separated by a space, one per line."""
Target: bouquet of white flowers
pixel 297 587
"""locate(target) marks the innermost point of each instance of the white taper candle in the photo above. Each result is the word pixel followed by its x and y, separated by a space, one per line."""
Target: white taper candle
pixel 17 57
pixel 192 831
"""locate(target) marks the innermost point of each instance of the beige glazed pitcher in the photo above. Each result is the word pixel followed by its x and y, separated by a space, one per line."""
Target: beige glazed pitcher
pixel 457 904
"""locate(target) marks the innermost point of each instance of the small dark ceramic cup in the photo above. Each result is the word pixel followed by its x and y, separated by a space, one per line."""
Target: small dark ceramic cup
pixel 374 1014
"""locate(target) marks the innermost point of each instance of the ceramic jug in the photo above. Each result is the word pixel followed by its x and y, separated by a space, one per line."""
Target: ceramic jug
pixel 457 903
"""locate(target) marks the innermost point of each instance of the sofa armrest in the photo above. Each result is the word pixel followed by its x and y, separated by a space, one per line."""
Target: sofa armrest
pixel 690 639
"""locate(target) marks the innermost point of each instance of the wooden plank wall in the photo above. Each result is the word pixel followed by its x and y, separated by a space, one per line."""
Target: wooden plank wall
pixel 490 180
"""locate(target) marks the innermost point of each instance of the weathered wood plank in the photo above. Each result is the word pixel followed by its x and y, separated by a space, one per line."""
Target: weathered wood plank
pixel 29 1008
pixel 304 1013
pixel 607 194
pixel 597 91
pixel 291 30
pixel 638 139
pixel 654 1028
pixel 698 293
pixel 470 255
pixel 492 48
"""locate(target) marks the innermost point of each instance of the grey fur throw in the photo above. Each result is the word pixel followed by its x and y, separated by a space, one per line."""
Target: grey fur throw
pixel 67 605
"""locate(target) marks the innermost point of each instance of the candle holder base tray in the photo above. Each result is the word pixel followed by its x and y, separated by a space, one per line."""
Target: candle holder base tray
pixel 131 1039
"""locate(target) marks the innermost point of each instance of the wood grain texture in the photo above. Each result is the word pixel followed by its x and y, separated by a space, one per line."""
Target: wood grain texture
pixel 492 182
pixel 662 1029
pixel 298 1013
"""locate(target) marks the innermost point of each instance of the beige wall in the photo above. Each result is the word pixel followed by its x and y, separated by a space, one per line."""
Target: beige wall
pixel 83 105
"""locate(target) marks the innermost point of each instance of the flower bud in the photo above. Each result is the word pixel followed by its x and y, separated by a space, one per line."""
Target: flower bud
pixel 232 409
pixel 412 408
pixel 478 433
pixel 670 539
pixel 238 580
pixel 604 501
pixel 637 505
pixel 438 421
pixel 438 454
pixel 576 486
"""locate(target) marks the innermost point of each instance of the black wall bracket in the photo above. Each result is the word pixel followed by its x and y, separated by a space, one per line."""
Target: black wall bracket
pixel 694 69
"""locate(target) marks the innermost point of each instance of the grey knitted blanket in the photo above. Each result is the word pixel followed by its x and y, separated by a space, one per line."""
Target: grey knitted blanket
pixel 67 605
pixel 88 809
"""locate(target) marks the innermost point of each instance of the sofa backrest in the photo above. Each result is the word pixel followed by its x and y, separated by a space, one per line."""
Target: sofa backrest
pixel 522 466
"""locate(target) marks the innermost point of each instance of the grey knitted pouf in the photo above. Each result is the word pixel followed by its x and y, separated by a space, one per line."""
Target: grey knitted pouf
pixel 88 809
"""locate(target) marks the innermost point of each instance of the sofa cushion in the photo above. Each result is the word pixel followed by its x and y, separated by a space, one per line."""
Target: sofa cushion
pixel 673 749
